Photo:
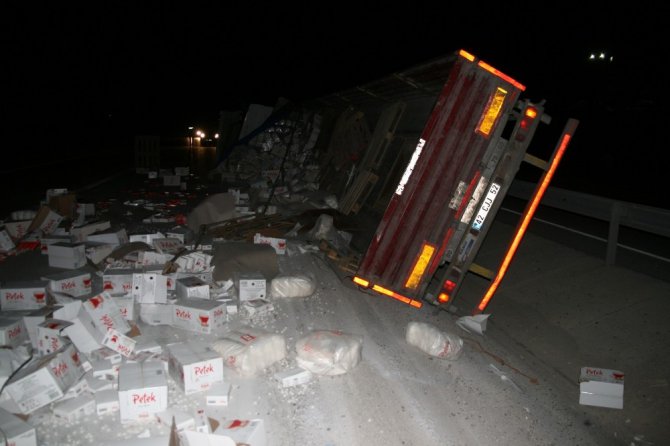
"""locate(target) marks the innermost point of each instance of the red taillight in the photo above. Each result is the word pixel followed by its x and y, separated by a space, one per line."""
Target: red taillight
pixel 526 123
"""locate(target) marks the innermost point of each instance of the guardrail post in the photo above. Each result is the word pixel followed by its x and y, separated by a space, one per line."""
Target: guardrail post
pixel 613 236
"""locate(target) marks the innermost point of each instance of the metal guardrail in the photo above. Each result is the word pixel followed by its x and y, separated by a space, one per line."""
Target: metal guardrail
pixel 616 213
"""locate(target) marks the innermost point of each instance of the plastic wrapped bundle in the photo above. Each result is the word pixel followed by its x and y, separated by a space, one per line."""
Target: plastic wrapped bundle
pixel 433 341
pixel 249 350
pixel 328 352
pixel 292 286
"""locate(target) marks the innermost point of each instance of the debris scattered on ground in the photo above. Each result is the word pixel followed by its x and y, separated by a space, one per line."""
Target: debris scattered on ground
pixel 476 323
pixel 433 341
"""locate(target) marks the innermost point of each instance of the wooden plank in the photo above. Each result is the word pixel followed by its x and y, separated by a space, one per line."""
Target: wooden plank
pixel 358 193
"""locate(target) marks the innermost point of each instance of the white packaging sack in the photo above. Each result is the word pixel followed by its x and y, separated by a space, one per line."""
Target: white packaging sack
pixel 431 340
pixel 329 352
pixel 299 285
pixel 249 350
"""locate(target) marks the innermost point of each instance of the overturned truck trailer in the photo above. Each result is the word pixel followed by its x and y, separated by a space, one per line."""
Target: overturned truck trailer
pixel 468 153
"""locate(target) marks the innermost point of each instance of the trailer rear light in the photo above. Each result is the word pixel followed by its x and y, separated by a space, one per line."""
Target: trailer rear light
pixel 526 123
pixel 361 282
pixel 443 298
pixel 449 285
pixel 492 111
pixel 401 298
pixel 528 215
pixel 420 265
pixel 531 112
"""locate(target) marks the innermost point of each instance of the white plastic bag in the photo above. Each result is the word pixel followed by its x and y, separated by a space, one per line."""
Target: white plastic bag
pixel 299 285
pixel 328 352
pixel 433 341
pixel 249 350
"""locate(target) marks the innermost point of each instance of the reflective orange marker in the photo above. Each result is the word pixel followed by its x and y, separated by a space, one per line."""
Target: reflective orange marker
pixel 568 131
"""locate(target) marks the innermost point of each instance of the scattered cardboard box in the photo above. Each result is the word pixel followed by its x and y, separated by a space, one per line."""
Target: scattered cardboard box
pixel 251 286
pixel 293 377
pixel 16 431
pixel 279 244
pixel 6 242
pixel 31 295
pixel 51 336
pixel 218 394
pixel 193 366
pixel 72 283
pixel 601 387
pixel 13 330
pixel 143 390
pixel 199 315
pixel 73 409
pixel 250 432
pixel 67 255
pixel 45 380
pixel 192 287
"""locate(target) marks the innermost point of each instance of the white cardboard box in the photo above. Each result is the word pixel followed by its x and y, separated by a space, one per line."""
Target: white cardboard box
pixel 72 283
pixel 182 420
pixel 73 409
pixel 167 245
pixel 293 377
pixel 106 353
pixel 50 239
pixel 97 385
pixel 13 331
pixel 96 252
pixel 32 318
pixel 113 237
pixel 67 255
pixel 601 387
pixel 157 314
pixel 119 281
pixel 143 391
pixel 46 220
pixel 17 432
pixel 199 315
pixel 182 233
pixel 218 394
pixel 83 332
pixel 80 233
pixel 30 295
pixel 194 366
pixel 105 314
pixel 17 229
pixel 192 287
pixel 6 242
pixel 106 401
pixel 45 379
pixel 127 306
pixel 119 342
pixel 149 288
pixel 279 244
pixel 76 389
pixel 251 286
pixel 251 432
pixel 51 336
pixel 146 238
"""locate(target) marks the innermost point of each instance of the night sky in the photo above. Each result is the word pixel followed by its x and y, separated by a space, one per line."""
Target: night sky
pixel 93 74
